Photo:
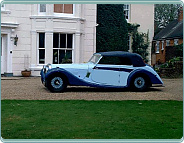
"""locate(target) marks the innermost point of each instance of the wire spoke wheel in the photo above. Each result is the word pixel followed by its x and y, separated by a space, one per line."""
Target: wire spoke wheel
pixel 139 82
pixel 57 82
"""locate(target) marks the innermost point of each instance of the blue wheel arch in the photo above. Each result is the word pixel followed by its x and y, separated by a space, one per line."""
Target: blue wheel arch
pixel 151 77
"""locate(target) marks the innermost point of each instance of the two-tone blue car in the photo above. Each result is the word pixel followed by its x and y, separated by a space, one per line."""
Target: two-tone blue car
pixel 115 69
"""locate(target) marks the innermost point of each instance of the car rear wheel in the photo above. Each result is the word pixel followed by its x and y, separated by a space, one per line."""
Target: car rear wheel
pixel 140 83
pixel 56 83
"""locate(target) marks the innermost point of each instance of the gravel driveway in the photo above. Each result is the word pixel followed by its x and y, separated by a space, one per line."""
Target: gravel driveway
pixel 32 89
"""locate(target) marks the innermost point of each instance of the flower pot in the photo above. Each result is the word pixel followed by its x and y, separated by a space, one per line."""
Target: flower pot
pixel 26 73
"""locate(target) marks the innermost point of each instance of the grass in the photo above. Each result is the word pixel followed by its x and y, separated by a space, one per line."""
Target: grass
pixel 21 119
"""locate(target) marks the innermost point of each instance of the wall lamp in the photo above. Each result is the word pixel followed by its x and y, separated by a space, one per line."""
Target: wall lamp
pixel 15 40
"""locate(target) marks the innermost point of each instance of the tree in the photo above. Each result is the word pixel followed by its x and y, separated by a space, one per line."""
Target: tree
pixel 140 42
pixel 112 30
pixel 165 13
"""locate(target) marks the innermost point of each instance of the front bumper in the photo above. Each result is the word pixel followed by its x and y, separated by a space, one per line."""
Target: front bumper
pixel 42 76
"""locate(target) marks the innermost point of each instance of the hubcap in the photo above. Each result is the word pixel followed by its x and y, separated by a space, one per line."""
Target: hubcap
pixel 57 82
pixel 139 82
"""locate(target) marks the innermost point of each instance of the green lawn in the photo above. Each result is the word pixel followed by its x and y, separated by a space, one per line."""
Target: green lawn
pixel 91 119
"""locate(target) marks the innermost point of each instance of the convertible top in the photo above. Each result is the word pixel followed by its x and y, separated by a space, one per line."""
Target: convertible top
pixel 136 59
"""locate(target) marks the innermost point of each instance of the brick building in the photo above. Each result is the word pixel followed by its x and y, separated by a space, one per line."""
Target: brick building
pixel 172 35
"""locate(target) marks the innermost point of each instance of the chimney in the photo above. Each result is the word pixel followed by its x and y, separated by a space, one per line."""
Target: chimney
pixel 180 14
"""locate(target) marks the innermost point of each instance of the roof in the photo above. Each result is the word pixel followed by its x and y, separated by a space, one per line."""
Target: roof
pixel 173 30
pixel 135 58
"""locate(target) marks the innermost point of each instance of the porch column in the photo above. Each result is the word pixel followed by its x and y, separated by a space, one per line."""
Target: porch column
pixel 34 49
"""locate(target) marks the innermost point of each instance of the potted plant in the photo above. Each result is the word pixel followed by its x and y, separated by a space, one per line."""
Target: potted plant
pixel 26 72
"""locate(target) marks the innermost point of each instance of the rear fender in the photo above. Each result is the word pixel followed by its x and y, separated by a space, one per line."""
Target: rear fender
pixel 153 79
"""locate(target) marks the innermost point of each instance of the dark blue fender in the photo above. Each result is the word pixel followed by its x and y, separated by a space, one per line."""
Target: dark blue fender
pixel 153 78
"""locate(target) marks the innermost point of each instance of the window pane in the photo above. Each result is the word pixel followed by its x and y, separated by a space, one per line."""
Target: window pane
pixel 58 8
pixel 110 60
pixel 62 40
pixel 41 40
pixel 69 54
pixel 125 61
pixel 41 56
pixel 56 40
pixel 61 56
pixel 55 56
pixel 42 7
pixel 69 40
pixel 68 8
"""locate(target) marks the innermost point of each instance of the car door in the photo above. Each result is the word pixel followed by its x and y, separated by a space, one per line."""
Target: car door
pixel 106 72
pixel 125 69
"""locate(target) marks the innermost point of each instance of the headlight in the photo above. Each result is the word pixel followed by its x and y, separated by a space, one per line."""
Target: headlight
pixel 47 67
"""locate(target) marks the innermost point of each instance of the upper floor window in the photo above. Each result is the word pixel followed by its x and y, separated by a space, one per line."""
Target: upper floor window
pixel 2 6
pixel 42 8
pixel 63 8
pixel 126 11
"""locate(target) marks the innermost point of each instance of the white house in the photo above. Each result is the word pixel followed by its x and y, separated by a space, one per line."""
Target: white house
pixel 46 33
pixel 142 14
pixel 36 34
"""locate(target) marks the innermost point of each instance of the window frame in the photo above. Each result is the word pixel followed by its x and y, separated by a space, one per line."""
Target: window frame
pixel 162 45
pixel 176 42
pixel 167 42
pixel 2 8
pixel 38 48
pixel 64 14
pixel 126 11
pixel 157 47
pixel 63 49
pixel 42 13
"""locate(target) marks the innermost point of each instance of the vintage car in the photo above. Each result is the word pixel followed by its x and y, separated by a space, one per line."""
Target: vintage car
pixel 115 69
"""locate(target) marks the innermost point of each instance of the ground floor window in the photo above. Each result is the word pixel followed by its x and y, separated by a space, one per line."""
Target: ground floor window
pixel 41 48
pixel 62 48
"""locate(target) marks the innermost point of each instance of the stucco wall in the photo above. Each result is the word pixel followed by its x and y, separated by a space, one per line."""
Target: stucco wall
pixel 143 14
pixel 18 14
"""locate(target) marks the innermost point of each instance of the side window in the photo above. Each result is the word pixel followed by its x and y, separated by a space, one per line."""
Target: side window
pixel 110 60
pixel 125 61
pixel 115 60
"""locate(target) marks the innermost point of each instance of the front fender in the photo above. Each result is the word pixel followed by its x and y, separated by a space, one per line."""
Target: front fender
pixel 72 79
pixel 154 77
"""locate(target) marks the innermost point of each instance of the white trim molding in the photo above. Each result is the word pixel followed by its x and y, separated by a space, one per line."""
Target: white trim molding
pixel 57 17
pixel 9 25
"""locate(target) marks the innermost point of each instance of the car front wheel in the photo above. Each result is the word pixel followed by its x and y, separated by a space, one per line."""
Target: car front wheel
pixel 140 83
pixel 56 84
